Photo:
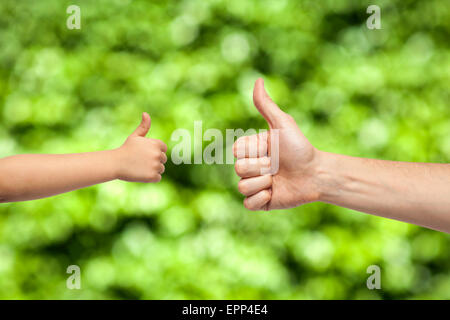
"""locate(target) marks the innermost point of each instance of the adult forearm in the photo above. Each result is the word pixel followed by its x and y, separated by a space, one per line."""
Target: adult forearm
pixel 417 193
pixel 33 176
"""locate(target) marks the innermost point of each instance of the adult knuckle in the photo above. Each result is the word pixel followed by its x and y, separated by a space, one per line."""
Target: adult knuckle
pixel 240 167
pixel 243 187
pixel 266 195
pixel 264 162
pixel 240 140
pixel 247 205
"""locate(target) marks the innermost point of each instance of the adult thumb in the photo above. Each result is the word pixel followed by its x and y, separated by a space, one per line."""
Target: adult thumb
pixel 266 107
pixel 144 126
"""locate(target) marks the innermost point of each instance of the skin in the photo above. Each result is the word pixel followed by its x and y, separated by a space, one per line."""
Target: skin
pixel 34 176
pixel 417 193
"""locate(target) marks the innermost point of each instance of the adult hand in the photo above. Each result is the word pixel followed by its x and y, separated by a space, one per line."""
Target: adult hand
pixel 296 159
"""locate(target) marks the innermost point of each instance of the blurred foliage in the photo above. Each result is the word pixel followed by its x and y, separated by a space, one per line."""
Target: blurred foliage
pixel 370 93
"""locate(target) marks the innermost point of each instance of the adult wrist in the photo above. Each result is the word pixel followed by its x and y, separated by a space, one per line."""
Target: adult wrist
pixel 325 176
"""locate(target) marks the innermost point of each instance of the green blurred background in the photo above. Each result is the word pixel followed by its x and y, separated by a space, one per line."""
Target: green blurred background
pixel 369 93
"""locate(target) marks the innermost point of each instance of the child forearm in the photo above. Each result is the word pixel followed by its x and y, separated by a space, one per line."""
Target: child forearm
pixel 34 176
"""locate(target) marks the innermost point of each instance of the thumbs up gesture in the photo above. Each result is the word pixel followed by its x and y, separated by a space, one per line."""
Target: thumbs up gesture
pixel 141 159
pixel 294 181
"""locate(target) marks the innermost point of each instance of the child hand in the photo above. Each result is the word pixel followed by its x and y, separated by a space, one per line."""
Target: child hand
pixel 141 159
